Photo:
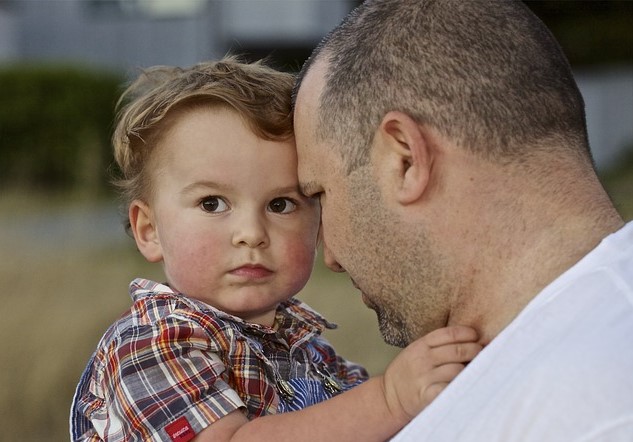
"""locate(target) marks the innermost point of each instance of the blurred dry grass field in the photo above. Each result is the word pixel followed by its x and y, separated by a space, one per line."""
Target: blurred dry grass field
pixel 60 294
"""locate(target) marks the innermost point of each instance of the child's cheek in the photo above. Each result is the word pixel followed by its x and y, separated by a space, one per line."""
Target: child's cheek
pixel 300 258
pixel 197 266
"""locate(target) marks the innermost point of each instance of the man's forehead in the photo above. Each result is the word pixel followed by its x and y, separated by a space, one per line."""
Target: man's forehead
pixel 311 86
pixel 310 157
pixel 306 111
pixel 308 165
pixel 311 161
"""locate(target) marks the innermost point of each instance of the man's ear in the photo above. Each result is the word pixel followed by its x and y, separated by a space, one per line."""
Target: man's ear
pixel 409 153
pixel 145 232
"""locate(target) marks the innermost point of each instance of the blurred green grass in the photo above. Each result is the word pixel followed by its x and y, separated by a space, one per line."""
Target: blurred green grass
pixel 60 298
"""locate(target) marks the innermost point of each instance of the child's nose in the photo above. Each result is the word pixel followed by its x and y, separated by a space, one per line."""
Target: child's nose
pixel 250 231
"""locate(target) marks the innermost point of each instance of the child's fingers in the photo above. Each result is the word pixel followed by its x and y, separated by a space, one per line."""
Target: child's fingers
pixel 433 391
pixel 444 374
pixel 447 335
pixel 439 378
pixel 451 353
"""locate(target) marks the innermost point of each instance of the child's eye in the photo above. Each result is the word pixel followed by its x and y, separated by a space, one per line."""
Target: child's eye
pixel 213 204
pixel 282 205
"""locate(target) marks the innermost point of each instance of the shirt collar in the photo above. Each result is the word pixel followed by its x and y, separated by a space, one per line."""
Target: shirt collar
pixel 291 314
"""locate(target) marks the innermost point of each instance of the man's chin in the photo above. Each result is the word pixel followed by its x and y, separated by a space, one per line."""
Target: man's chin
pixel 393 332
pixel 391 328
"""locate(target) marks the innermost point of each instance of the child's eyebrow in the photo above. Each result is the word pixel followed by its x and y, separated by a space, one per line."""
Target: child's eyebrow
pixel 201 185
pixel 288 189
pixel 206 185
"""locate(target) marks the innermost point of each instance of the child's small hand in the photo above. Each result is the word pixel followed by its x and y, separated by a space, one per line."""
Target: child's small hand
pixel 425 367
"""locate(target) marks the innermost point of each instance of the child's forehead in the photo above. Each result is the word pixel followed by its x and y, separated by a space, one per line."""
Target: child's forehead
pixel 184 124
pixel 195 110
pixel 220 137
pixel 219 113
pixel 227 120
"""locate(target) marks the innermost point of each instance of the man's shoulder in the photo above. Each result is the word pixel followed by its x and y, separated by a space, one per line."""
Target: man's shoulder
pixel 561 370
pixel 561 389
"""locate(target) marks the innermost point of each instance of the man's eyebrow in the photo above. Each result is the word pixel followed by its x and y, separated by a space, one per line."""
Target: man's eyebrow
pixel 308 188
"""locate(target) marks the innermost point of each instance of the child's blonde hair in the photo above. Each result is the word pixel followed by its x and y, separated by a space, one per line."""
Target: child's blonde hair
pixel 260 94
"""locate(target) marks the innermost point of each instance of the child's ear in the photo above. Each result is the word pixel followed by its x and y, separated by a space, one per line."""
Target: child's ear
pixel 409 154
pixel 145 232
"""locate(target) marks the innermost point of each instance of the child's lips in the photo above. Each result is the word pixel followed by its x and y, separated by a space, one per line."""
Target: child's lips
pixel 251 271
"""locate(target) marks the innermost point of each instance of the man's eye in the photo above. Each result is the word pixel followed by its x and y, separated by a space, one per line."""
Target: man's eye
pixel 282 205
pixel 213 204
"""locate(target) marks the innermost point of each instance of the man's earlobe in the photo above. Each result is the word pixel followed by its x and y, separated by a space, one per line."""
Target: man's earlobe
pixel 410 153
pixel 145 232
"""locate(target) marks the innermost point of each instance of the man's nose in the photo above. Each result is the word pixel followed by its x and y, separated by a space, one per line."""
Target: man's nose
pixel 330 260
pixel 250 231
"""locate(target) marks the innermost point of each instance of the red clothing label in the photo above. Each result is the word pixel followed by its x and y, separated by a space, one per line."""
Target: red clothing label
pixel 180 430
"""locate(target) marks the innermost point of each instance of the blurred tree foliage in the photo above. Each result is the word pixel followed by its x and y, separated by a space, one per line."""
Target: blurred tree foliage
pixel 55 124
pixel 591 32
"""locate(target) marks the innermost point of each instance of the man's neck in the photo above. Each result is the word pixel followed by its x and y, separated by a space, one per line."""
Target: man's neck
pixel 522 240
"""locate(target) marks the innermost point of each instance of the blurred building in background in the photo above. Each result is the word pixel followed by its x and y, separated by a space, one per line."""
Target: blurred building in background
pixel 128 34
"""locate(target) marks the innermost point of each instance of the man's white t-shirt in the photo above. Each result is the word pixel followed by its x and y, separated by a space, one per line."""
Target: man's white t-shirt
pixel 561 371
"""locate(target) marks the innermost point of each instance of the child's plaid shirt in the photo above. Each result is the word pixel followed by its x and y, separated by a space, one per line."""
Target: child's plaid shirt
pixel 171 360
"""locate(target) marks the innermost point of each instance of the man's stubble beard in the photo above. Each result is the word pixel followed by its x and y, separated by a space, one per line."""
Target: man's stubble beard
pixel 397 268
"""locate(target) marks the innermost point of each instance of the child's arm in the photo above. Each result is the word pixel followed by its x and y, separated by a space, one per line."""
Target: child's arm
pixel 373 411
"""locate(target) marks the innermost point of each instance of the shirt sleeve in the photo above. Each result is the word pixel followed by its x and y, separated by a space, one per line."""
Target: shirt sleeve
pixel 160 375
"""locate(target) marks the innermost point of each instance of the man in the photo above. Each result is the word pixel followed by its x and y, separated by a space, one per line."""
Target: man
pixel 447 143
